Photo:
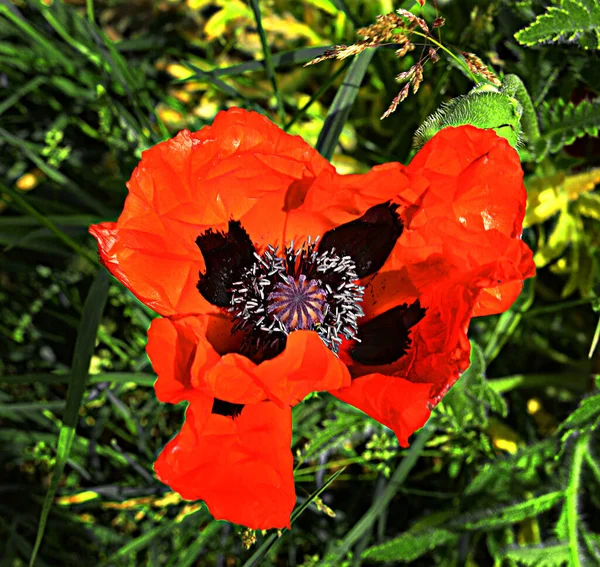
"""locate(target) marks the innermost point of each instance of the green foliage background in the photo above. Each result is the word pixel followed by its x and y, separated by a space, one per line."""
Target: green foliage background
pixel 505 473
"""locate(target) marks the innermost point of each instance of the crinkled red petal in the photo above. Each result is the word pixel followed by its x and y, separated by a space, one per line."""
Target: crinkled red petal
pixel 241 467
pixel 196 356
pixel 399 404
pixel 306 365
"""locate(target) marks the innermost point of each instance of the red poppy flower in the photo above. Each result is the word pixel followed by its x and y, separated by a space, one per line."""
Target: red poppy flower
pixel 278 277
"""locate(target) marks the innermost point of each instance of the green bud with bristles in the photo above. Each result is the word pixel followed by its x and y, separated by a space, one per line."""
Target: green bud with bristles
pixel 485 106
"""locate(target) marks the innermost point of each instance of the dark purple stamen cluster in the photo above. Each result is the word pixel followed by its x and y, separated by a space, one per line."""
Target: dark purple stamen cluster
pixel 301 290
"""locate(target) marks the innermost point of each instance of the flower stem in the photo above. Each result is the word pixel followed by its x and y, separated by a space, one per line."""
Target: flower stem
pixel 450 54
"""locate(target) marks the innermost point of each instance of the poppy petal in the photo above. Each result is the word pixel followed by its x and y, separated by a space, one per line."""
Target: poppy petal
pixel 182 350
pixel 476 185
pixel 172 347
pixel 306 365
pixel 242 467
pixel 368 240
pixel 475 179
pixel 227 256
pixel 385 338
pixel 160 268
pixel 395 402
pixel 191 358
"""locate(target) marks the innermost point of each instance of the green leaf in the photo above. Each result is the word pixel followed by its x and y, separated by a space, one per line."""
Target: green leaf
pixel 567 528
pixel 540 556
pixel 588 410
pixel 471 397
pixel 572 21
pixel 410 545
pixel 342 103
pixel 137 378
pixel 82 355
pixel 507 515
pixel 574 381
pixel 563 122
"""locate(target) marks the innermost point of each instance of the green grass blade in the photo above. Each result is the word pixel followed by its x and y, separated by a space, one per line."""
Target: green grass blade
pixel 146 539
pixel 26 28
pixel 342 103
pixel 365 524
pixel 19 93
pixel 268 60
pixel 55 174
pixel 283 59
pixel 137 544
pixel 595 340
pixel 45 221
pixel 11 222
pixel 576 381
pixel 10 408
pixel 262 551
pixel 509 322
pixel 318 94
pixel 223 86
pixel 90 10
pixel 341 6
pixel 84 349
pixel 188 558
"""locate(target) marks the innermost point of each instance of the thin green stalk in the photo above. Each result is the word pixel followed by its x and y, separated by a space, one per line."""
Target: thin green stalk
pixel 595 340
pixel 557 307
pixel 331 464
pixel 262 551
pixel 458 60
pixel 90 11
pixel 268 60
pixel 12 99
pixel 594 467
